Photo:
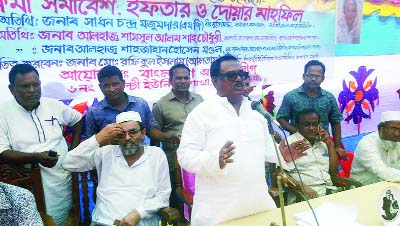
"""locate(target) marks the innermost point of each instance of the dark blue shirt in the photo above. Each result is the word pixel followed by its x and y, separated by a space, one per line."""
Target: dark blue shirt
pixel 102 114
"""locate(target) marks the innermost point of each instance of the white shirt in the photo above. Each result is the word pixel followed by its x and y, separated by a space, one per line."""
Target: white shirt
pixel 373 162
pixel 314 167
pixel 343 35
pixel 240 188
pixel 144 186
pixel 37 131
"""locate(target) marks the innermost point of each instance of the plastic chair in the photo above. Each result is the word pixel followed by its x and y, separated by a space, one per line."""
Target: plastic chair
pixel 343 179
pixel 27 176
pixel 168 215
pixel 345 165
pixel 185 184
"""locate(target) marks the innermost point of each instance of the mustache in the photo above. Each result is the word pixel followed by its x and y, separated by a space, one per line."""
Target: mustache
pixel 130 148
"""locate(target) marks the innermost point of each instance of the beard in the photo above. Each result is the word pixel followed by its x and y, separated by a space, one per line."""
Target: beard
pixel 393 152
pixel 390 145
pixel 130 148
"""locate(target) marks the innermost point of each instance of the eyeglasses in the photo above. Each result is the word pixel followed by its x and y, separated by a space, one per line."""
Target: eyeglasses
pixel 131 133
pixel 232 75
pixel 392 129
pixel 311 76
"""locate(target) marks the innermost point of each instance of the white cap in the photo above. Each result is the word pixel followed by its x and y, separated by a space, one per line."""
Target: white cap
pixel 128 116
pixel 390 116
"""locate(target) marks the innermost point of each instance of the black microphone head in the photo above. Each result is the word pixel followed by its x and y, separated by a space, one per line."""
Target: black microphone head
pixel 255 105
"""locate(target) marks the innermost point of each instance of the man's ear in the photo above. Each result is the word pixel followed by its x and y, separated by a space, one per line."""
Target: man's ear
pixel 11 88
pixel 143 132
pixel 123 82
pixel 214 81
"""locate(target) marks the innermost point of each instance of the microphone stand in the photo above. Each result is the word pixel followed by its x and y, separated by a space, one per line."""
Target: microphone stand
pixel 281 177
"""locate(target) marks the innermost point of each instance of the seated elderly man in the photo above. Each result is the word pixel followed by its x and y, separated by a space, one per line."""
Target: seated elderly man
pixel 377 156
pixel 314 155
pixel 133 177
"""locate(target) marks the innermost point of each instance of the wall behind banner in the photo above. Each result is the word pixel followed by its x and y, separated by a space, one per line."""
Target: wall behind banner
pixel 68 41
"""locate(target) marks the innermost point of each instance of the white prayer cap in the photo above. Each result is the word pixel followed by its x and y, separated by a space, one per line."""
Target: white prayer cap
pixel 390 116
pixel 128 116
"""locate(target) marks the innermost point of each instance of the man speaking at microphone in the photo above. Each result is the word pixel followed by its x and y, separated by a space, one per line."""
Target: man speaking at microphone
pixel 226 144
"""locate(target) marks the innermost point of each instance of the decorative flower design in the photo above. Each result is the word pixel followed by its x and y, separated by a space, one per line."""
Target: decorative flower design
pixel 359 99
pixel 267 100
pixel 81 108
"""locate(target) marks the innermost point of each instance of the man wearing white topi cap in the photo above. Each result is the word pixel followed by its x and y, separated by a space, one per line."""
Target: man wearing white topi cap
pixel 133 177
pixel 377 156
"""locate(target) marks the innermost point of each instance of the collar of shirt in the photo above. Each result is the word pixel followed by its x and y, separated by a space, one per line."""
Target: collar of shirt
pixel 145 156
pixel 171 95
pixel 15 102
pixel 297 136
pixel 105 104
pixel 224 102
pixel 322 92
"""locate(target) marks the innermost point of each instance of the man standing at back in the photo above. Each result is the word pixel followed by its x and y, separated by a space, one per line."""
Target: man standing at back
pixel 31 126
pixel 310 95
pixel 171 112
pixel 116 101
pixel 224 142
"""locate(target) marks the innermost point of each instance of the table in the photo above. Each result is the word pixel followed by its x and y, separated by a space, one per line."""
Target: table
pixel 365 199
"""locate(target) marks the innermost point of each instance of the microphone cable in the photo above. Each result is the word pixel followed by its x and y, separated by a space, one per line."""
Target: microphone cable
pixel 301 181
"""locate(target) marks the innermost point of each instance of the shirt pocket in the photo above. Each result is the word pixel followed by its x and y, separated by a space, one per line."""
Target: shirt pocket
pixel 51 127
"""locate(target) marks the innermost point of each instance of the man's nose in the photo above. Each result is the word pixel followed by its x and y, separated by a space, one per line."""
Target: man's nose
pixel 127 136
pixel 238 76
pixel 31 89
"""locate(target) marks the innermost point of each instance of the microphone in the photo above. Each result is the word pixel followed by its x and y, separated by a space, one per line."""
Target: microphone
pixel 256 105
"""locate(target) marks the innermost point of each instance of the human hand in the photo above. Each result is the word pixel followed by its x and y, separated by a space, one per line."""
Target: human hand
pixel 277 137
pixel 324 136
pixel 109 134
pixel 310 193
pixel 225 153
pixel 132 219
pixel 341 152
pixel 175 138
pixel 45 160
pixel 297 148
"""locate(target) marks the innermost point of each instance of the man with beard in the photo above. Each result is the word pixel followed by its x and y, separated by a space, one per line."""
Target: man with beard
pixel 226 144
pixel 133 177
pixel 310 95
pixel 31 126
pixel 377 156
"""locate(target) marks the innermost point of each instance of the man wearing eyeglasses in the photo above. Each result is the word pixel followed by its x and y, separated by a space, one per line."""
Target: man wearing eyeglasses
pixel 133 177
pixel 377 156
pixel 310 95
pixel 224 142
